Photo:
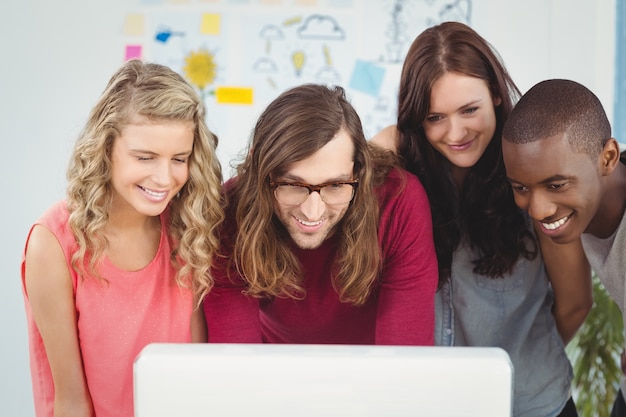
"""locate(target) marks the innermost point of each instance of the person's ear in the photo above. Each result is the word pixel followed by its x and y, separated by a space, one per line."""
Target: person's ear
pixel 497 100
pixel 609 157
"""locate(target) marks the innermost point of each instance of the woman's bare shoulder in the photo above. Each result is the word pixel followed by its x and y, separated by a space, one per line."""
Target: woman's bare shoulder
pixel 387 138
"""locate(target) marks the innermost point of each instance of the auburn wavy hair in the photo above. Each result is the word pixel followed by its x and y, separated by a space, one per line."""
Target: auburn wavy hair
pixel 158 93
pixel 293 127
pixel 484 209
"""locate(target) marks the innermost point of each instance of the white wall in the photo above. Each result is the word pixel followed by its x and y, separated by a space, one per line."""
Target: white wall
pixel 57 57
pixel 59 54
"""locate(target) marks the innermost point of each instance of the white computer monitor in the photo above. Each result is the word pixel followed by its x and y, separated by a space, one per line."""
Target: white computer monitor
pixel 223 380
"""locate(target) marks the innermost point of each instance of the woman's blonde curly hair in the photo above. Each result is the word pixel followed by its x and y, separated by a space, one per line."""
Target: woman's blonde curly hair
pixel 158 93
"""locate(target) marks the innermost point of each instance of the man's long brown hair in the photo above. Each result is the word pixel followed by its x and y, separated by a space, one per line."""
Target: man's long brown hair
pixel 293 127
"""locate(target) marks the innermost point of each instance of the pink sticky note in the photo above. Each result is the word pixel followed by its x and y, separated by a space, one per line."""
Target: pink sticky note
pixel 133 51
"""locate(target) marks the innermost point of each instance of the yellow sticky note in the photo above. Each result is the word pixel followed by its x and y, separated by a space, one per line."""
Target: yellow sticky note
pixel 234 95
pixel 210 24
pixel 134 24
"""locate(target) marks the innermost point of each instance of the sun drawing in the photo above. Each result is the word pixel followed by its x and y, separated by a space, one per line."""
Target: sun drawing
pixel 200 68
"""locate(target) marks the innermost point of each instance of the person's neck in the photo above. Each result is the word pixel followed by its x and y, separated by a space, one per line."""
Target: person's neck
pixel 129 222
pixel 612 205
pixel 458 175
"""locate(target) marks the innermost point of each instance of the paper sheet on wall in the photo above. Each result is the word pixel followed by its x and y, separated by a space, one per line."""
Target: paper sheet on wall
pixel 263 47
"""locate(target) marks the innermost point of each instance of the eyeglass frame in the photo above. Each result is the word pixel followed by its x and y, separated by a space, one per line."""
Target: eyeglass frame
pixel 314 188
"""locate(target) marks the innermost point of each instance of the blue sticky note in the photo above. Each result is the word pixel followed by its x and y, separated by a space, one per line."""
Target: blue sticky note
pixel 163 36
pixel 367 77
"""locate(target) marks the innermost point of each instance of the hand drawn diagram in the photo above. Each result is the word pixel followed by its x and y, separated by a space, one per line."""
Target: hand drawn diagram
pixel 376 74
pixel 407 18
pixel 263 50
pixel 296 49
pixel 330 49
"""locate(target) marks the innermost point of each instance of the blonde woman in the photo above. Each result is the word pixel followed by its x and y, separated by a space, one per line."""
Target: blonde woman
pixel 115 265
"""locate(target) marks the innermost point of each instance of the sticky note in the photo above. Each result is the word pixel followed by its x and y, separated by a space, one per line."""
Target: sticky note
pixel 210 24
pixel 234 95
pixel 133 51
pixel 134 24
pixel 367 77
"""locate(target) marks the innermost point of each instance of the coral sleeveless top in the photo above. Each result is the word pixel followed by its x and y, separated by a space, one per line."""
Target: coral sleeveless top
pixel 115 321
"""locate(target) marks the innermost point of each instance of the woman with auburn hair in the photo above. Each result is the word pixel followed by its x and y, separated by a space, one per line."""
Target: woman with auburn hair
pixel 114 266
pixel 499 283
pixel 325 240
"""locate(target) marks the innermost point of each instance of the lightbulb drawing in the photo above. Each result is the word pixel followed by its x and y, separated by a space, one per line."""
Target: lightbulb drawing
pixel 298 58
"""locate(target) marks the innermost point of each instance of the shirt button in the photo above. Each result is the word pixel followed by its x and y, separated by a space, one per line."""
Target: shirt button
pixel 448 331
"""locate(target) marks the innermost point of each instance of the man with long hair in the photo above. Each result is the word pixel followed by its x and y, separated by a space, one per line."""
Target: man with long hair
pixel 325 240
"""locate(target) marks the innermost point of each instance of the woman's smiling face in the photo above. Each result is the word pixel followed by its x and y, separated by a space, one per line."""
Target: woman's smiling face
pixel 461 120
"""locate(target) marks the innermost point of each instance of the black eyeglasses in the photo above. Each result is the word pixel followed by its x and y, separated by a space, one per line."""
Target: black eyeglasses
pixel 296 193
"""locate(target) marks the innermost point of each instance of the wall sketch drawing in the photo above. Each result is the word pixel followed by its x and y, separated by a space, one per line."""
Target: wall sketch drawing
pixel 406 18
pixel 396 32
pixel 321 27
pixel 460 10
pixel 267 49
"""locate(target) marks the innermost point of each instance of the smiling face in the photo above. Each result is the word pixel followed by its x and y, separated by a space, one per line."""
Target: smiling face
pixel 461 121
pixel 561 189
pixel 150 164
pixel 313 221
